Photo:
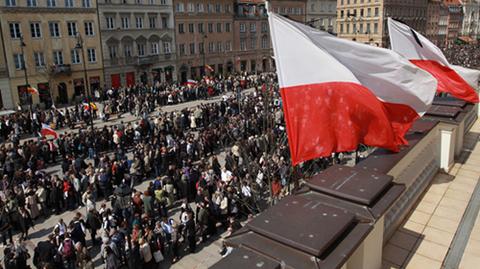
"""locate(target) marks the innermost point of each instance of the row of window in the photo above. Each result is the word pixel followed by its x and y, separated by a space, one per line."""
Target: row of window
pixel 57 58
pixel 253 43
pixel 141 49
pixel 139 22
pixel 200 29
pixel 289 10
pixel 51 3
pixel 325 7
pixel 355 1
pixel 200 8
pixel 347 28
pixel 253 27
pixel 139 2
pixel 212 48
pixel 54 29
pixel 362 12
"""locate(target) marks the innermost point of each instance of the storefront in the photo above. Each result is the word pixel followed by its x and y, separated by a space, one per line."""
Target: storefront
pixel 22 95
pixel 130 79
pixel 44 94
pixel 116 81
pixel 253 66
pixel 183 74
pixel 157 75
pixel 229 67
pixel 243 66
pixel 62 94
pixel 94 84
pixel 264 64
pixel 193 72
pixel 78 87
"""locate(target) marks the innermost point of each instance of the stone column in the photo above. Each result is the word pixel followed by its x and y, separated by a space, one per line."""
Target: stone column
pixel 369 254
pixel 447 147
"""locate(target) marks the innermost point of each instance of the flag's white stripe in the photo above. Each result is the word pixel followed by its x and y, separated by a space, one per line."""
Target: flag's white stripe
pixel 314 57
pixel 299 61
pixel 403 42
pixel 471 76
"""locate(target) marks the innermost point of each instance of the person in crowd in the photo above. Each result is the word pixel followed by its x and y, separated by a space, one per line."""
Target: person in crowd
pixel 44 252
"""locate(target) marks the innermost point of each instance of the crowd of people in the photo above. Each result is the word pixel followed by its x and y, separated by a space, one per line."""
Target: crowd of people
pixel 177 153
pixel 467 55
pixel 138 100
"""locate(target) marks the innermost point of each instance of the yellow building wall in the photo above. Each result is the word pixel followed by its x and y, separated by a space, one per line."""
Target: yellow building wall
pixel 47 44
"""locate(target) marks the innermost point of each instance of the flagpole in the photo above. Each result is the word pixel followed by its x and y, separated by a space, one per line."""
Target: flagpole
pixel 293 175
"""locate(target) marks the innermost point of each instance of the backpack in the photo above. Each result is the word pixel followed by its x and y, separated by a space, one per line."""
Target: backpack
pixel 67 250
pixel 118 239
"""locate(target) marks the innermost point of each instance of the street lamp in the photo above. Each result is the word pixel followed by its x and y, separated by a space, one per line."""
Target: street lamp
pixel 203 55
pixel 79 46
pixel 24 66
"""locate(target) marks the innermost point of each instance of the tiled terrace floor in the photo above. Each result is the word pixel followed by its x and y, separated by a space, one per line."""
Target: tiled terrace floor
pixel 424 239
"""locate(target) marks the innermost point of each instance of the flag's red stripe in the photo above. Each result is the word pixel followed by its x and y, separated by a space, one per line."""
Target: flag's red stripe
pixel 337 116
pixel 448 80
pixel 47 131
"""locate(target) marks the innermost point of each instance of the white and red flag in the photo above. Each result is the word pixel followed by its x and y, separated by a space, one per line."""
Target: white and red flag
pixel 455 80
pixel 48 131
pixel 339 93
pixel 86 106
pixel 209 68
pixel 32 90
pixel 191 83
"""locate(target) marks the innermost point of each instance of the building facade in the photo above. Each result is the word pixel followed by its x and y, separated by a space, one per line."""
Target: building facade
pixel 471 19
pixel 443 25
pixel 366 20
pixel 6 101
pixel 455 19
pixel 252 46
pixel 361 21
pixel 58 42
pixel 293 9
pixel 204 37
pixel 322 14
pixel 138 41
pixel 433 20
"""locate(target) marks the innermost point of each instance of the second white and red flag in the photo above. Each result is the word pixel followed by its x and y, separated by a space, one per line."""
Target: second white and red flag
pixel 338 93
pixel 457 81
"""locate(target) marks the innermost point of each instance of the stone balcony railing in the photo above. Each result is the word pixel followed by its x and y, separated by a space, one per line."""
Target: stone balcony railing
pixel 61 69
pixel 3 72
pixel 344 215
pixel 140 60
